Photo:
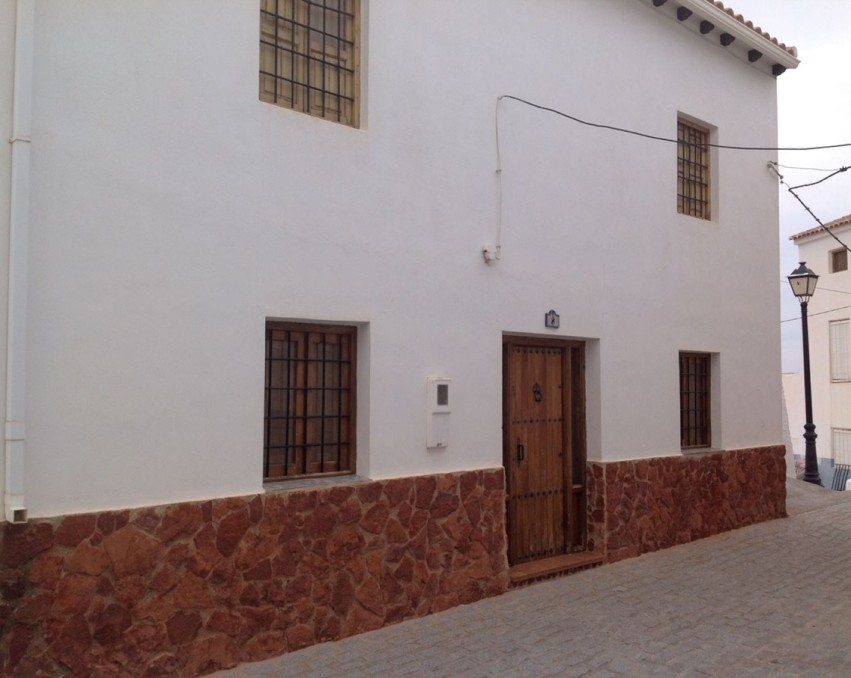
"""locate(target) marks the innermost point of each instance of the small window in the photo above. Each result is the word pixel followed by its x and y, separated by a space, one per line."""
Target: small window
pixel 309 55
pixel 310 400
pixel 841 443
pixel 839 260
pixel 840 351
pixel 693 186
pixel 695 425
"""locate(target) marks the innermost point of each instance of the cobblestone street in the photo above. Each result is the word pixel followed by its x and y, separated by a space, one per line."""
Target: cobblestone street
pixel 767 600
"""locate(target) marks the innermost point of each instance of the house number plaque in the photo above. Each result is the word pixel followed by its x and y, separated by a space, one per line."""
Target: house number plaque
pixel 551 319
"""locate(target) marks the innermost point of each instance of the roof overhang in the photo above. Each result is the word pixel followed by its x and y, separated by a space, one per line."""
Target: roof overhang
pixel 712 21
pixel 836 226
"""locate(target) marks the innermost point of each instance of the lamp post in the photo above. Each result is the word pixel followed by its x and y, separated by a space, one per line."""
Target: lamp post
pixel 803 282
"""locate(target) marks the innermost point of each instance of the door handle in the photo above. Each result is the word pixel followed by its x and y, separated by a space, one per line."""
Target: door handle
pixel 521 452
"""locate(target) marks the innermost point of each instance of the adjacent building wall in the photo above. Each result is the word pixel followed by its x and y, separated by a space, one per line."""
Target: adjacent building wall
pixel 831 400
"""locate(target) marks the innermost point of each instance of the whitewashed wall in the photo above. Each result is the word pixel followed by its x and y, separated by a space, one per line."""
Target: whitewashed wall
pixel 173 213
pixel 7 48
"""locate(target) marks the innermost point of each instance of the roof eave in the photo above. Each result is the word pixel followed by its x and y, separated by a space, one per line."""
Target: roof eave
pixel 729 24
pixel 818 232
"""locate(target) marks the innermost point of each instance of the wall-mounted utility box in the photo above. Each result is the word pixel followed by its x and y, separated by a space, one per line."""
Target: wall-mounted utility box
pixel 437 411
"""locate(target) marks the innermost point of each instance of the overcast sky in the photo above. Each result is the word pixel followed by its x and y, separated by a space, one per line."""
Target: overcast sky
pixel 814 104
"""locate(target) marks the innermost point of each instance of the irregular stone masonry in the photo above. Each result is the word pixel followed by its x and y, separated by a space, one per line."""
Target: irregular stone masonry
pixel 189 588
pixel 643 505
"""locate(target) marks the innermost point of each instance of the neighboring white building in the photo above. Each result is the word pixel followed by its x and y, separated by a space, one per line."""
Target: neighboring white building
pixel 829 322
pixel 213 296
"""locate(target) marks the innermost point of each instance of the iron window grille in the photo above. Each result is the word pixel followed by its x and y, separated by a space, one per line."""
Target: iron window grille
pixel 309 57
pixel 695 425
pixel 840 350
pixel 309 422
pixel 693 186
pixel 841 448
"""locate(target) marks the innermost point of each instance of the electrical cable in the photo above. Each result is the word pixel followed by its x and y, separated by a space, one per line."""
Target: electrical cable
pixel 823 289
pixel 665 139
pixel 816 183
pixel 810 315
pixel 806 207
pixel 805 169
pixel 771 164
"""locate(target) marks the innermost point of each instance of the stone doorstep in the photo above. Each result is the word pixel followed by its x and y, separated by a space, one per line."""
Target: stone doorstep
pixel 525 573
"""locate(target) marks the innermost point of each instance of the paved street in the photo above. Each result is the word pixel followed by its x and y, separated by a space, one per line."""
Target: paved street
pixel 768 600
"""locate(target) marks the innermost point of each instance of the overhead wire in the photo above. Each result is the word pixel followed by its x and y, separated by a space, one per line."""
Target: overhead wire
pixel 665 139
pixel 804 169
pixel 771 166
pixel 810 315
pixel 823 289
pixel 816 183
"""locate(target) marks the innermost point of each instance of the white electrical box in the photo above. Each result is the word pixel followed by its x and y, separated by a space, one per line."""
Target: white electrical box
pixel 437 411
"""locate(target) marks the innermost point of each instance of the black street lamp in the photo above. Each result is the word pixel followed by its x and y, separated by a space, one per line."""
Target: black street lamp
pixel 803 282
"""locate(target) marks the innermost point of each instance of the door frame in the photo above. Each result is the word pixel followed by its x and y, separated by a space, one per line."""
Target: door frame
pixel 573 433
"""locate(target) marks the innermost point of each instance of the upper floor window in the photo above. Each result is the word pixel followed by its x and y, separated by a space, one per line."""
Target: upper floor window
pixel 840 351
pixel 310 400
pixel 695 423
pixel 309 57
pixel 839 260
pixel 693 186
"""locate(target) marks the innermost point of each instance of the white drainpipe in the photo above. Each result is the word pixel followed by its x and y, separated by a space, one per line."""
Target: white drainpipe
pixel 19 219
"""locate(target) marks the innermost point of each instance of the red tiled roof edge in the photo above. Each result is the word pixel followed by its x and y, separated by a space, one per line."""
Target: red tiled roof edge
pixel 836 223
pixel 756 29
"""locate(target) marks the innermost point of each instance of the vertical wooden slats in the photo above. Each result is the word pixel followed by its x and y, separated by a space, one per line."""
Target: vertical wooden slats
pixel 695 423
pixel 541 393
pixel 693 187
pixel 309 56
pixel 309 426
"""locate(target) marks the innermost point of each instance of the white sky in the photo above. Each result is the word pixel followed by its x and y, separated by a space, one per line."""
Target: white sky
pixel 814 102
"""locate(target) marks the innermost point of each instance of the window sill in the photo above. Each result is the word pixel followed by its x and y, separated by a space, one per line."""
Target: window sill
pixel 301 483
pixel 696 451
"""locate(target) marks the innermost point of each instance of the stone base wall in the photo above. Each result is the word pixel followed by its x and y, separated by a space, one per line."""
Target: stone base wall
pixel 190 588
pixel 643 505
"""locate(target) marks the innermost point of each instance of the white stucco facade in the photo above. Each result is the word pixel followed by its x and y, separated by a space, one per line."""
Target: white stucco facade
pixel 831 398
pixel 172 213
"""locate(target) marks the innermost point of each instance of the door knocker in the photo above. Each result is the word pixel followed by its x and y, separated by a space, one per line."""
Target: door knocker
pixel 536 391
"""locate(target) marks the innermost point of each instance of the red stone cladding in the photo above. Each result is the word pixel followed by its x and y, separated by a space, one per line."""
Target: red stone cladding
pixel 643 505
pixel 190 588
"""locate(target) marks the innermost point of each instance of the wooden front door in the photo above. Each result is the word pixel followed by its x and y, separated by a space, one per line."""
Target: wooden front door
pixel 543 447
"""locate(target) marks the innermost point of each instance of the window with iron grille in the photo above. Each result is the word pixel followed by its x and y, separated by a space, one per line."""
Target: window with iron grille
pixel 841 444
pixel 693 187
pixel 310 400
pixel 840 350
pixel 839 260
pixel 695 424
pixel 309 56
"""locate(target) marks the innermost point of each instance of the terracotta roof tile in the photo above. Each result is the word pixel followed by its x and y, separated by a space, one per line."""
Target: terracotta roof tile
pixel 836 223
pixel 756 29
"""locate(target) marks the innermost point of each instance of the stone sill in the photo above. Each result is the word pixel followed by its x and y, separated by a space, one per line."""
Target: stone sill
pixel 302 483
pixel 698 451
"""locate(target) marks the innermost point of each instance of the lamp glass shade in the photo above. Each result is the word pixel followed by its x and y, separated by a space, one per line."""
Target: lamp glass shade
pixel 803 282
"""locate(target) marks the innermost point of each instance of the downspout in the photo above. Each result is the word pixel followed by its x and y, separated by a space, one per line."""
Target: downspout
pixel 19 218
